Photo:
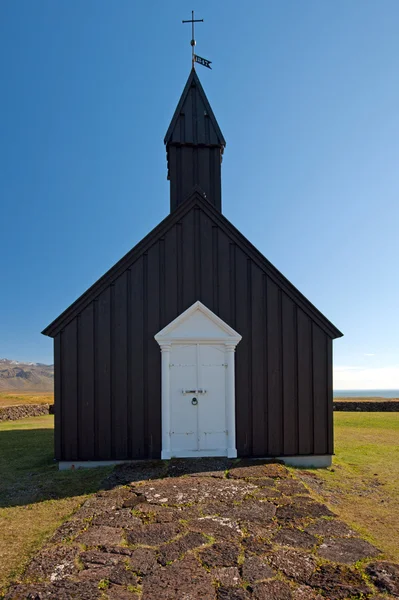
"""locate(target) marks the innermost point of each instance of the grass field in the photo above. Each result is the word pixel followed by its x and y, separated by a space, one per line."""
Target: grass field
pixel 34 496
pixel 362 487
pixel 16 398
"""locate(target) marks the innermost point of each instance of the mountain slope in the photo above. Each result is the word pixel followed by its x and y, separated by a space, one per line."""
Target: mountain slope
pixel 21 376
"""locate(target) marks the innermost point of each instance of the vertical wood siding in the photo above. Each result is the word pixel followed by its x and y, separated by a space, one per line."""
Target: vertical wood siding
pixel 85 373
pixel 188 168
pixel 289 376
pixel 58 447
pixel 305 384
pixel 102 376
pixel 108 365
pixel 135 365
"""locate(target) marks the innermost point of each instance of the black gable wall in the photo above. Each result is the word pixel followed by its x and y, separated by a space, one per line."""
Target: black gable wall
pixel 108 365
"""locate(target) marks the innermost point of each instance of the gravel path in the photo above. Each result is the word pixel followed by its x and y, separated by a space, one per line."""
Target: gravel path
pixel 206 529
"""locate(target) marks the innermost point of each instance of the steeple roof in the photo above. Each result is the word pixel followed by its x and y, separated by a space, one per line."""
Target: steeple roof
pixel 193 122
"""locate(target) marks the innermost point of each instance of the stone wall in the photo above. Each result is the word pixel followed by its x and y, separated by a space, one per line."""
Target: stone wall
pixel 12 413
pixel 388 406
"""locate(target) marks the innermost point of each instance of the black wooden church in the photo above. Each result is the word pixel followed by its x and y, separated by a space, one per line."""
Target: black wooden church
pixel 193 344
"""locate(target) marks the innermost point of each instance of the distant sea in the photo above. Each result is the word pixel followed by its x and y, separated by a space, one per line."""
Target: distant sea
pixel 366 393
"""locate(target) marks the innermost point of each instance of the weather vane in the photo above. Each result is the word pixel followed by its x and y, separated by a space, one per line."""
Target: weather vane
pixel 194 57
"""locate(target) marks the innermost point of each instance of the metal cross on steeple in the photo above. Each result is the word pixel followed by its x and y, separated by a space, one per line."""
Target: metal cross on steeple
pixel 193 42
pixel 194 57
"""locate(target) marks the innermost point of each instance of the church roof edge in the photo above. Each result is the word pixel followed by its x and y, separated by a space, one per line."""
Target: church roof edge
pixel 197 199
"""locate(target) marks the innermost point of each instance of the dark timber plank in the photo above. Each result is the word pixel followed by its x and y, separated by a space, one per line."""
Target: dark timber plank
pixel 153 356
pixel 103 375
pixel 136 366
pixel 174 192
pixel 215 267
pixel 86 383
pixel 275 425
pixel 119 371
pixel 258 361
pixel 179 266
pixel 233 286
pixel 186 175
pixel 243 388
pixel 320 395
pixel 189 265
pixel 207 271
pixel 162 286
pixel 188 118
pixel 69 380
pixel 224 278
pixel 290 411
pixel 203 173
pixel 58 398
pixel 330 414
pixel 197 254
pixel 171 276
pixel 265 410
pixel 305 389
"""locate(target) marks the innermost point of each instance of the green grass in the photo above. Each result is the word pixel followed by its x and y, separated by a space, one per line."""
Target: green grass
pixel 35 497
pixel 362 487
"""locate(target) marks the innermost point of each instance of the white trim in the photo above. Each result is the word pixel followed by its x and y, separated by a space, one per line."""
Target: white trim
pixel 230 401
pixel 165 349
pixel 227 337
pixel 198 453
pixel 166 334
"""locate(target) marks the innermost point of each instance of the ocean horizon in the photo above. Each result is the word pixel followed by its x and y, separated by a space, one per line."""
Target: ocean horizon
pixel 366 393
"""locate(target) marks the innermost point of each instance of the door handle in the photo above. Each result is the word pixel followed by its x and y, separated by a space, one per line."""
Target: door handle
pixel 194 401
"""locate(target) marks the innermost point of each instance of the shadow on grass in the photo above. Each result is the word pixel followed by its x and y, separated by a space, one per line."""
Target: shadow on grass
pixel 29 473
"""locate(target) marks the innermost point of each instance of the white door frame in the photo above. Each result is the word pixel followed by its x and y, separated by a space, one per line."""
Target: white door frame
pixel 184 330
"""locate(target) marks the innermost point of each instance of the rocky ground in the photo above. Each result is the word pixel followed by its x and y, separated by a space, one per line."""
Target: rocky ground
pixel 208 529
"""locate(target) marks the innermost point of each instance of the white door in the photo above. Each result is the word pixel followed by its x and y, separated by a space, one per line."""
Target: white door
pixel 198 400
pixel 183 414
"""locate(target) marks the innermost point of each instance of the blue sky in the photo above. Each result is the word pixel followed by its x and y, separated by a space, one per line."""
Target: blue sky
pixel 307 96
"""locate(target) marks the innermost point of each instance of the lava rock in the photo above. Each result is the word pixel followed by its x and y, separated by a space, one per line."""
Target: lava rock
pixel 287 536
pixel 296 565
pixel 331 528
pixel 256 569
pixel 272 590
pixel 385 576
pixel 347 551
pixel 220 554
pixel 174 550
pixel 169 582
pixel 338 582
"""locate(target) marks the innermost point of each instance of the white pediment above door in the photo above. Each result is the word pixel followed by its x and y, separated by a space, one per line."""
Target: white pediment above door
pixel 198 324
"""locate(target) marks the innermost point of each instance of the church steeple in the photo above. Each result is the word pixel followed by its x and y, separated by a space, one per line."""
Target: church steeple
pixel 194 147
